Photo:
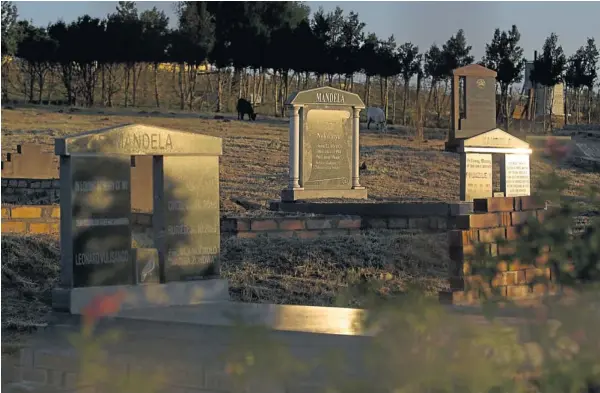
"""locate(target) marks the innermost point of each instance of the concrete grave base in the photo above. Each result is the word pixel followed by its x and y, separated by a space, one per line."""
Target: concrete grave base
pixel 184 293
pixel 294 195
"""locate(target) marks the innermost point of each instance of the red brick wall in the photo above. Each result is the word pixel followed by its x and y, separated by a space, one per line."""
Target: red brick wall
pixel 493 219
pixel 34 219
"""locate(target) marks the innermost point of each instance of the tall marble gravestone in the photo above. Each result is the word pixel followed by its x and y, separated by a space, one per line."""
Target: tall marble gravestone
pixel 473 103
pixel 324 145
pixel 476 165
pixel 96 246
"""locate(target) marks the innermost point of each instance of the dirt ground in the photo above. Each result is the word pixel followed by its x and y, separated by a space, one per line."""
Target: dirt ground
pixel 265 270
pixel 254 166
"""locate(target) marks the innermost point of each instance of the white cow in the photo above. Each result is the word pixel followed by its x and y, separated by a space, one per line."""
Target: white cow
pixel 377 116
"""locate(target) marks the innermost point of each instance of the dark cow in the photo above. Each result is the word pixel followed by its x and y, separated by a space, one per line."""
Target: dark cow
pixel 245 108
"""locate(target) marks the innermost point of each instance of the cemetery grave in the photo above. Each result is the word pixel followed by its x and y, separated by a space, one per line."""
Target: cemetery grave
pixel 187 273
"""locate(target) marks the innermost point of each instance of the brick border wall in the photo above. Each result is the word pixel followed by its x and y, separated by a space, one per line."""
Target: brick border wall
pixel 493 218
pixel 30 191
pixel 30 219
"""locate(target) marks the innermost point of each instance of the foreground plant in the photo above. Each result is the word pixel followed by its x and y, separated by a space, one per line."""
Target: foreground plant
pixel 95 368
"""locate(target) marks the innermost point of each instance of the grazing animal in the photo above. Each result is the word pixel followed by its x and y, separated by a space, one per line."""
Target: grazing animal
pixel 377 116
pixel 244 107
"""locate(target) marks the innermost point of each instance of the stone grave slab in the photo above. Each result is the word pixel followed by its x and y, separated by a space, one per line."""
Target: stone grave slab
pixel 97 257
pixel 476 165
pixel 515 176
pixel 100 219
pixel 473 103
pixel 476 176
pixel 192 220
pixel 324 145
pixel 327 149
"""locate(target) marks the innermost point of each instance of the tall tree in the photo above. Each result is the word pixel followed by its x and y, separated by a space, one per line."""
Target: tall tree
pixel 574 80
pixel 191 46
pixel 389 67
pixel 10 39
pixel 505 56
pixel 548 70
pixel 368 58
pixel 322 31
pixel 410 64
pixel 38 50
pixel 434 68
pixel 455 54
pixel 154 42
pixel 351 40
pixel 590 64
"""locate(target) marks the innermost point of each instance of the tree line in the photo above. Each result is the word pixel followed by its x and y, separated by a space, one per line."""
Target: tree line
pixel 95 60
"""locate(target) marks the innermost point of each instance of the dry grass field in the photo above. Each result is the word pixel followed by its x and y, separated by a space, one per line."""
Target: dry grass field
pixel 254 167
pixel 255 154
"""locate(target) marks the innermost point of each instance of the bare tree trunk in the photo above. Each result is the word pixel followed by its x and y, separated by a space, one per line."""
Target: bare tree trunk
pixel 156 94
pixel 589 105
pixel 367 90
pixel 219 90
pixel 127 80
pixel 180 82
pixel 405 101
pixel 394 91
pixel 275 93
pixel 506 107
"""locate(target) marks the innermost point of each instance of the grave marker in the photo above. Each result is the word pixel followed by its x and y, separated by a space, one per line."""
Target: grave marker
pixel 476 165
pixel 473 104
pixel 324 145
pixel 96 243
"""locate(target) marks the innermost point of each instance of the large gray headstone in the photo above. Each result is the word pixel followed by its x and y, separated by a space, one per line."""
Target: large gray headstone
pixel 96 205
pixel 473 103
pixel 327 135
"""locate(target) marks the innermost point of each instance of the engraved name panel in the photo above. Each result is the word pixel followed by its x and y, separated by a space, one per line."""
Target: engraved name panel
pixel 101 213
pixel 517 175
pixel 327 147
pixel 192 226
pixel 477 176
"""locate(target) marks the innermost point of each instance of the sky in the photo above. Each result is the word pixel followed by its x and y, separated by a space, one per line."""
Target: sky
pixel 422 23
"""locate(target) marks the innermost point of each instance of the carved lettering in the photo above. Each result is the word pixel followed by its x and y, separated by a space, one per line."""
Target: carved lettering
pixel 517 175
pixel 175 205
pixel 330 98
pixel 478 176
pixel 174 230
pixel 101 185
pixel 192 260
pixel 154 141
pixel 98 258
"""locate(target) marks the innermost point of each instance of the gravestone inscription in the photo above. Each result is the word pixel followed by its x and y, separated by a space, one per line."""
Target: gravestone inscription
pixel 476 176
pixel 515 177
pixel 192 221
pixel 100 221
pixel 327 149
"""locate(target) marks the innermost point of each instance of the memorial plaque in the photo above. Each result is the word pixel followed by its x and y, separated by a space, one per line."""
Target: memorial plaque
pixel 192 220
pixel 516 178
pixel 480 98
pixel 100 225
pixel 327 149
pixel 475 176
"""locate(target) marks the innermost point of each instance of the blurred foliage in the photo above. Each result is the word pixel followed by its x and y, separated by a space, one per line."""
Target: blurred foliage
pixel 419 345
